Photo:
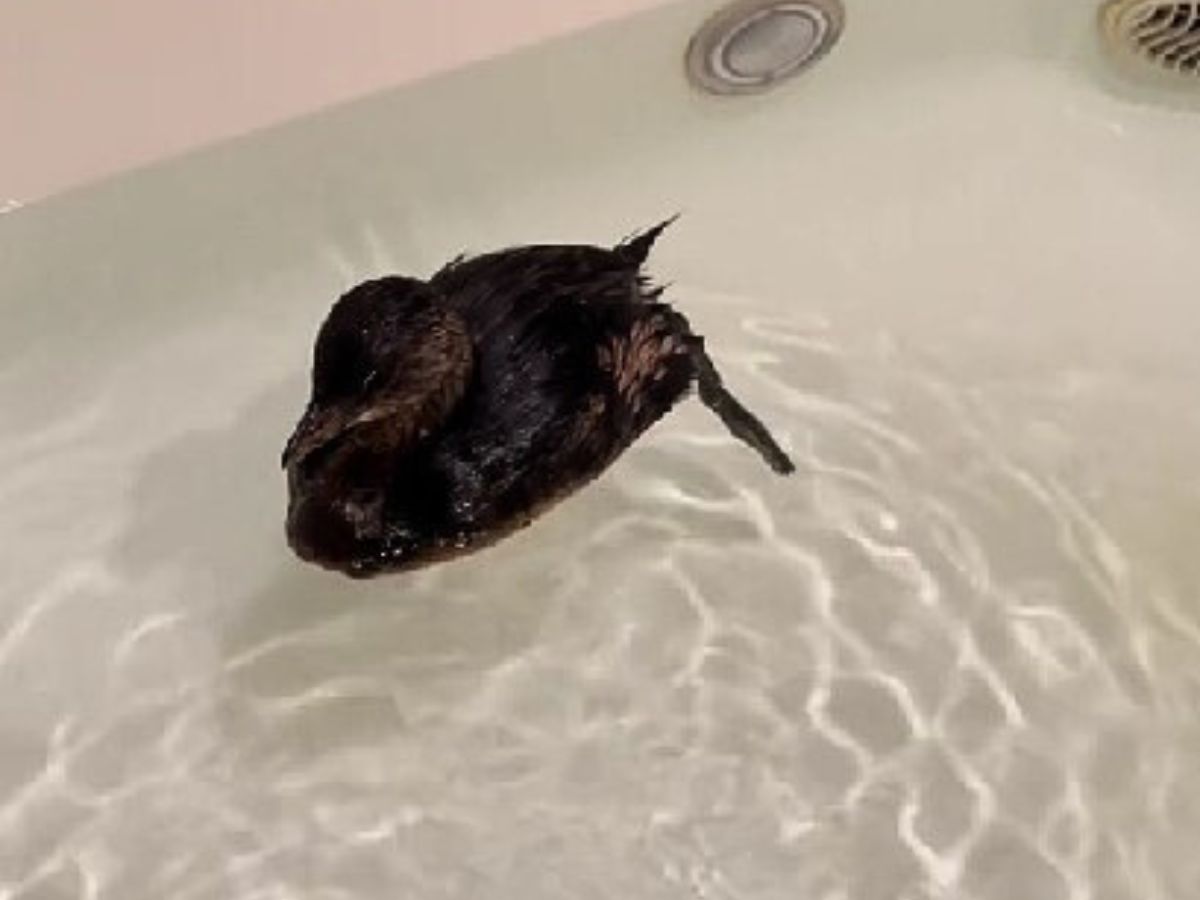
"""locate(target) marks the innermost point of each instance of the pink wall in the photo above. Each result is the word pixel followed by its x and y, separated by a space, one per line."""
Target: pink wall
pixel 88 89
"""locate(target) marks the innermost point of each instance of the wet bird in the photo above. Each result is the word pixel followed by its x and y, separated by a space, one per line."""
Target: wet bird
pixel 446 414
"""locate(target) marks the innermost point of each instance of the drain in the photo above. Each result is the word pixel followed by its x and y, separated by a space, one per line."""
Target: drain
pixel 752 45
pixel 1158 31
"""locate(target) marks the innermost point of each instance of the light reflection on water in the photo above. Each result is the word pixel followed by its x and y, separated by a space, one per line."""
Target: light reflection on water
pixel 954 656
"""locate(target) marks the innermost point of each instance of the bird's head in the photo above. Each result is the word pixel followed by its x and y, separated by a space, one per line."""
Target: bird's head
pixel 354 375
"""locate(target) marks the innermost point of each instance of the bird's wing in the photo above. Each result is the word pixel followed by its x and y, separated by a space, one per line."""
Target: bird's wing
pixel 428 370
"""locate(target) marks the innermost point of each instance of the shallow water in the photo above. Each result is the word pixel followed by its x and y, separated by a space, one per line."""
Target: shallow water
pixel 955 655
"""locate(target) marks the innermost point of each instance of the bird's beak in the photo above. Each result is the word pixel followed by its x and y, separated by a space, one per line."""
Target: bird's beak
pixel 316 428
pixel 321 425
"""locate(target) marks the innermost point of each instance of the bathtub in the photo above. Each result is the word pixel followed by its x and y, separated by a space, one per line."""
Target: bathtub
pixel 956 655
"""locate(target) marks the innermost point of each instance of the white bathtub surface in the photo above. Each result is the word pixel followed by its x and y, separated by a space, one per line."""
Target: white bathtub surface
pixel 956 656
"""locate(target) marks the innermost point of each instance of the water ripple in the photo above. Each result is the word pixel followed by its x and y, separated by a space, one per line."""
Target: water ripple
pixel 939 662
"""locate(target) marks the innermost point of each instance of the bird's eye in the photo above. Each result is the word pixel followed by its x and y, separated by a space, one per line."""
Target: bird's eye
pixel 341 367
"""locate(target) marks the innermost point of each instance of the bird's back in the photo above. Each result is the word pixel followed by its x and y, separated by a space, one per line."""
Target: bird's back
pixel 537 420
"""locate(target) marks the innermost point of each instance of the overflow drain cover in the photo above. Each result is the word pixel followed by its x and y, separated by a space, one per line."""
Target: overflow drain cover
pixel 751 45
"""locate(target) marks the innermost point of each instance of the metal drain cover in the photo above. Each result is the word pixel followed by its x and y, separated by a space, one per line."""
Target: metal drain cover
pixel 751 45
pixel 1161 32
